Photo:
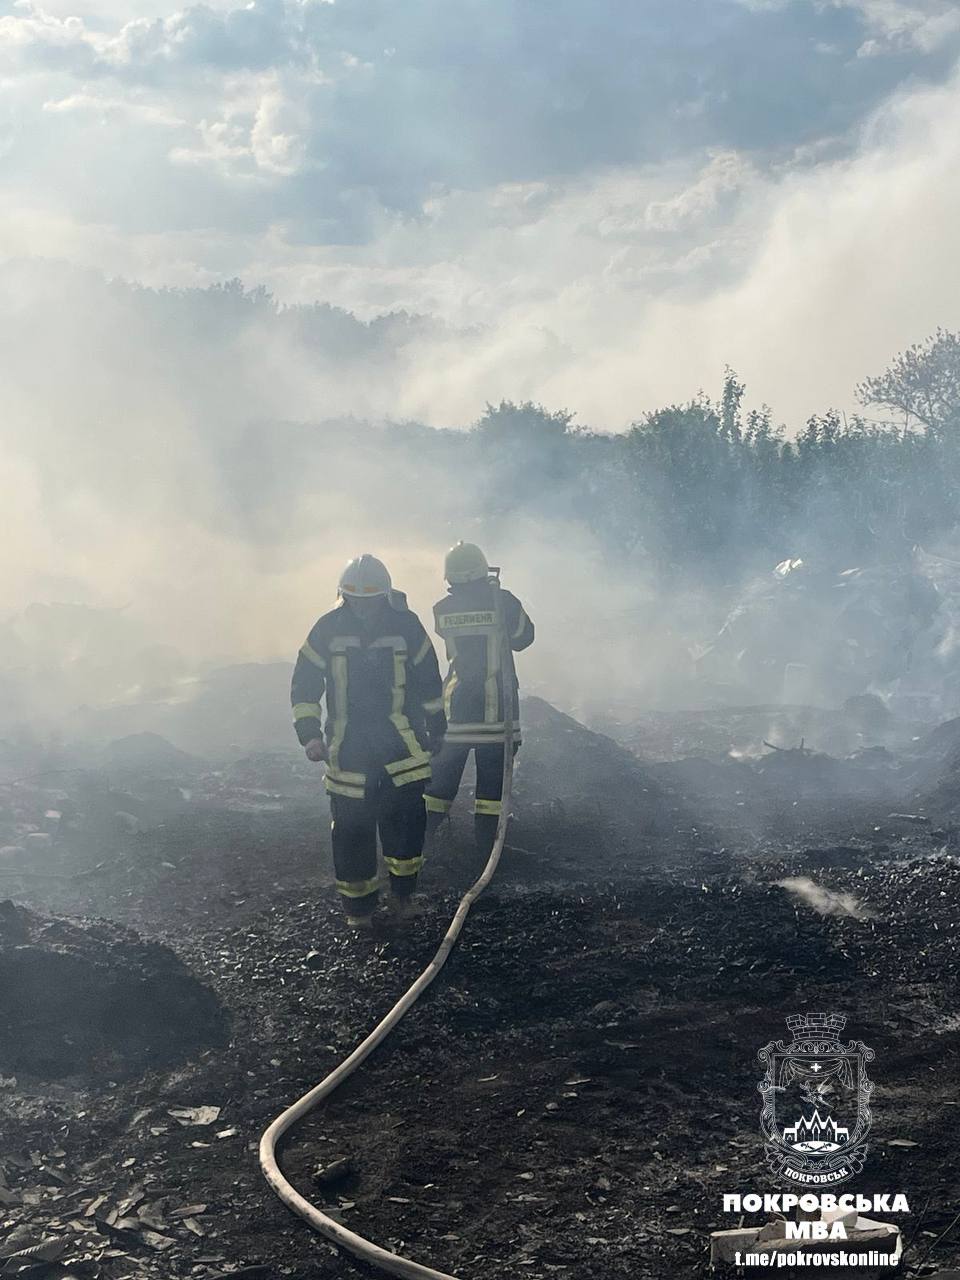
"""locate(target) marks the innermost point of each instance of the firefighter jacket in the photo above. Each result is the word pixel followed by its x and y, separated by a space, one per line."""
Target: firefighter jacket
pixel 473 692
pixel 383 696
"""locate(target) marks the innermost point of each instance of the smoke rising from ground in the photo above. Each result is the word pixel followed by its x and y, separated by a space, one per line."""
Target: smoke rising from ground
pixel 826 902
pixel 188 461
pixel 161 462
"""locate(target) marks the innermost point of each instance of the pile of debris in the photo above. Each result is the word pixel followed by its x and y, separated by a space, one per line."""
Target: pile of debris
pixel 93 998
pixel 565 767
pixel 584 809
pixel 805 632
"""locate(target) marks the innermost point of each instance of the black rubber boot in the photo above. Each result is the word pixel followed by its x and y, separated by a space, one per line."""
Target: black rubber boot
pixel 359 911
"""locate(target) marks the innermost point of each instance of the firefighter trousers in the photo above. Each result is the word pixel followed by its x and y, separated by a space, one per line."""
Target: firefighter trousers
pixel 444 784
pixel 398 814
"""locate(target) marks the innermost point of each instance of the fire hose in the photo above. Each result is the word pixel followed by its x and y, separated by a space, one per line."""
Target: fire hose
pixel 364 1249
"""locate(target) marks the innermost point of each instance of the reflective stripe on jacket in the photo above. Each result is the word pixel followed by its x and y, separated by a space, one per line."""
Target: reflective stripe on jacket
pixel 466 620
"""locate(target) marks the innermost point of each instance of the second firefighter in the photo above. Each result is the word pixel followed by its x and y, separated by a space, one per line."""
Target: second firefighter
pixel 471 621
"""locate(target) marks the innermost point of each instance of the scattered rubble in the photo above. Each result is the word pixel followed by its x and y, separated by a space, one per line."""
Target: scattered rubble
pixel 696 975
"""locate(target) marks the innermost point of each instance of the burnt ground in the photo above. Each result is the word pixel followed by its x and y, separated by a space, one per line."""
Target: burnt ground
pixel 575 1093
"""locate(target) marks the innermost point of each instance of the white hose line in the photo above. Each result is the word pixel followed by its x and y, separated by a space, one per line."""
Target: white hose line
pixel 364 1249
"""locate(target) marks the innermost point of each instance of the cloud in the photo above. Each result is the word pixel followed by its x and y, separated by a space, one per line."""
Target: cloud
pixel 34 38
pixel 898 25
pixel 725 175
pixel 277 139
pixel 260 35
pixel 890 26
pixel 324 116
pixel 805 278
pixel 254 37
pixel 103 106
pixel 838 266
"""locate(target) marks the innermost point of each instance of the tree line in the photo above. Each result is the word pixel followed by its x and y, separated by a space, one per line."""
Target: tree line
pixel 708 489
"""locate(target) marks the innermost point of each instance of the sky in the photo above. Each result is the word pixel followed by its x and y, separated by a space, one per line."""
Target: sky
pixel 625 195
pixel 598 204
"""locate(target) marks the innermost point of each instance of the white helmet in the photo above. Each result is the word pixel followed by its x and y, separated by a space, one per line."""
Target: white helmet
pixel 365 576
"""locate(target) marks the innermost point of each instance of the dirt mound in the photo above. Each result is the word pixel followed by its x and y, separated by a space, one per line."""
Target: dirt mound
pixel 934 775
pixel 568 767
pixel 137 752
pixel 941 742
pixel 93 998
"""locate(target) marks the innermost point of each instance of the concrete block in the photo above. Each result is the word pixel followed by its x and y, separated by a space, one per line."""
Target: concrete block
pixel 725 1245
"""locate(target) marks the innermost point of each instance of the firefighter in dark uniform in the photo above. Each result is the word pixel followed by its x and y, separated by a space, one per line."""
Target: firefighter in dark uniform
pixel 470 624
pixel 372 660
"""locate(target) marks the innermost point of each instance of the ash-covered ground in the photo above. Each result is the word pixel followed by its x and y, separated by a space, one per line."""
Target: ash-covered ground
pixel 574 1095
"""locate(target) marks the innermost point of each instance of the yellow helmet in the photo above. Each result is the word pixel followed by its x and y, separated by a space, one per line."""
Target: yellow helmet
pixel 465 563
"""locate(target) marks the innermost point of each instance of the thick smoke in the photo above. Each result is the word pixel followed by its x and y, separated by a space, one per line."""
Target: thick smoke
pixel 189 463
pixel 200 465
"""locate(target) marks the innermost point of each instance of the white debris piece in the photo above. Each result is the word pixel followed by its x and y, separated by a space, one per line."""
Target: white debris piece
pixel 195 1115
